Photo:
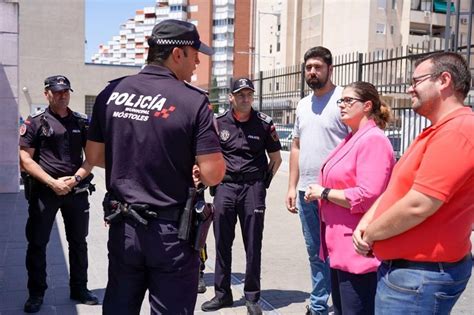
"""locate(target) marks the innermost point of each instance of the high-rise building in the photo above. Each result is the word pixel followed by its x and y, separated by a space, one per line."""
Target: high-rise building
pixel 225 24
pixel 288 28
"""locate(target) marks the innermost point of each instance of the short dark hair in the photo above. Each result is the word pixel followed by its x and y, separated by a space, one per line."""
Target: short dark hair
pixel 453 63
pixel 158 54
pixel 319 52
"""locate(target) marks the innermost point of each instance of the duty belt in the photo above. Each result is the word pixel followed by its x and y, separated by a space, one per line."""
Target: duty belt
pixel 140 213
pixel 243 177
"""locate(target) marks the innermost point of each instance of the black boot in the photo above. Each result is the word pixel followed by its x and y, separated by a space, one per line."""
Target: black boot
pixel 33 304
pixel 84 296
pixel 215 303
pixel 201 284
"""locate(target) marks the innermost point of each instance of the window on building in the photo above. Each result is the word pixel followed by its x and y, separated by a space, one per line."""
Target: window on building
pixel 271 48
pixel 277 86
pixel 382 4
pixel 392 28
pixel 380 28
pixel 193 8
pixel 394 4
pixel 89 104
pixel 278 46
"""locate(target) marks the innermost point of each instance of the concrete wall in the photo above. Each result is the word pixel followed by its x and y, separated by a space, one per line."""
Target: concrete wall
pixel 9 118
pixel 52 37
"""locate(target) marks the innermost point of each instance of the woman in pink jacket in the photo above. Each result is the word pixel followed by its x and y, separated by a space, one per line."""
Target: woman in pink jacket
pixel 352 178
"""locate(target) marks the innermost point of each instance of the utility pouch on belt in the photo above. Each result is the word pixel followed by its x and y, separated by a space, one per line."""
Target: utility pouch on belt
pixel 115 210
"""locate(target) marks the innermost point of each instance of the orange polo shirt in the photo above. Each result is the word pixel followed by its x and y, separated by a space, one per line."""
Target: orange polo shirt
pixel 440 164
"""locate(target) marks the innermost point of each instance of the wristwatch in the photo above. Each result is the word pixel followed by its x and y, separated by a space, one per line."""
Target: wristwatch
pixel 325 193
pixel 78 178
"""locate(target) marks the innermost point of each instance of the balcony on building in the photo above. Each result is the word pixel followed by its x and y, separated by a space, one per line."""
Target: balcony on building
pixel 177 2
pixel 224 2
pixel 178 15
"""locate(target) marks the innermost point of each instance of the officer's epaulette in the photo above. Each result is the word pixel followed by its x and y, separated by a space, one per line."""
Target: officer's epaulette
pixel 118 79
pixel 222 114
pixel 80 115
pixel 196 88
pixel 38 112
pixel 264 117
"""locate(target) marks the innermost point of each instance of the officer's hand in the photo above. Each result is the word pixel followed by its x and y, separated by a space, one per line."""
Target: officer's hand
pixel 60 186
pixel 313 192
pixel 70 181
pixel 291 201
pixel 196 175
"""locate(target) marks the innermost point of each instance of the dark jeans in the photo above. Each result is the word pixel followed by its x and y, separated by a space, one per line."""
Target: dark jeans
pixel 353 293
pixel 152 258
pixel 43 206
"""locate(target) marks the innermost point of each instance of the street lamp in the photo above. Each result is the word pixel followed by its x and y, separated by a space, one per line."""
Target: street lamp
pixel 259 54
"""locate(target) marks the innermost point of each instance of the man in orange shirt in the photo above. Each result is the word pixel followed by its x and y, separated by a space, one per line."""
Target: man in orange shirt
pixel 420 227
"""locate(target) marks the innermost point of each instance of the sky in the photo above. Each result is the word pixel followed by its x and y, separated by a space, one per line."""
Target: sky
pixel 104 17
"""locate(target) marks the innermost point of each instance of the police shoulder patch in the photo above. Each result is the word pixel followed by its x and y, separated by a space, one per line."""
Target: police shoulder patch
pixel 23 129
pixel 38 112
pixel 202 91
pixel 80 115
pixel 264 117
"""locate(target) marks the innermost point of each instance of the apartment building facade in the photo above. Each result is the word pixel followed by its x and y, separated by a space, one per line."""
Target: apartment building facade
pixel 347 26
pixel 225 24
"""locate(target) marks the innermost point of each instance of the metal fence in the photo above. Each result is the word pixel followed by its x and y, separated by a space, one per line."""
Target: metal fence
pixel 278 91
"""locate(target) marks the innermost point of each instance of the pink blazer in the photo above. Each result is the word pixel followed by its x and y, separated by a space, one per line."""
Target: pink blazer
pixel 361 166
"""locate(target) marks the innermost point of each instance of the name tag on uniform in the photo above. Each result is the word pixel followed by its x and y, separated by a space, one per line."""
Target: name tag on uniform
pixel 253 137
pixel 76 131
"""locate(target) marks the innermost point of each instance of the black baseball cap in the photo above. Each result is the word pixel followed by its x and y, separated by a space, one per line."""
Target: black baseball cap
pixel 242 83
pixel 57 83
pixel 178 33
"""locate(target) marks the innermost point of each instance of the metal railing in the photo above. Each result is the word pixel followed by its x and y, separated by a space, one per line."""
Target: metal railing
pixel 278 91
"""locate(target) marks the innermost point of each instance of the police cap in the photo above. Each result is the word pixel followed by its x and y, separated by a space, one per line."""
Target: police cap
pixel 57 83
pixel 177 33
pixel 242 83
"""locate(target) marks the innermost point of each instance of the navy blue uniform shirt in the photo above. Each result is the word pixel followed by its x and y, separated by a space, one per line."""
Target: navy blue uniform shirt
pixel 58 142
pixel 153 126
pixel 244 143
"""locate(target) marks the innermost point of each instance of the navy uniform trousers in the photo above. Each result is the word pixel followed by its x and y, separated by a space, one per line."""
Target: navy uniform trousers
pixel 245 201
pixel 43 207
pixel 150 257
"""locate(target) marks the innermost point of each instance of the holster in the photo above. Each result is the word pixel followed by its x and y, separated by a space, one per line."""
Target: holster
pixel 204 213
pixel 85 185
pixel 28 184
pixel 195 219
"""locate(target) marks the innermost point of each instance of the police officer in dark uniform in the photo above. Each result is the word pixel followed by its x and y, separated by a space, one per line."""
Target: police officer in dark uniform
pixel 148 130
pixel 246 136
pixel 51 154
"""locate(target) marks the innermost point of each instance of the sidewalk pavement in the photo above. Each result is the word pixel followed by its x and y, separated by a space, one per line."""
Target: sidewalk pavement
pixel 285 271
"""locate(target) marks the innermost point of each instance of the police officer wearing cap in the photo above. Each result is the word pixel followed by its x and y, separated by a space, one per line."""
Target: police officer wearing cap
pixel 246 137
pixel 148 130
pixel 51 154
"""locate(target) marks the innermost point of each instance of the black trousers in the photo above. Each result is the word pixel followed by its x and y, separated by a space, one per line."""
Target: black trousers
pixel 353 294
pixel 42 210
pixel 245 201
pixel 150 258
